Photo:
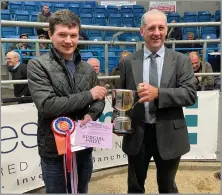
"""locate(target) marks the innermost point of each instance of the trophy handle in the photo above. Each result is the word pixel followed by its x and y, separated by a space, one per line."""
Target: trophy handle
pixel 134 105
pixel 108 91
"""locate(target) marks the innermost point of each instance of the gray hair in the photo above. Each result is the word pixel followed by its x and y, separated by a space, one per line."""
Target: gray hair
pixel 90 59
pixel 152 12
pixel 14 53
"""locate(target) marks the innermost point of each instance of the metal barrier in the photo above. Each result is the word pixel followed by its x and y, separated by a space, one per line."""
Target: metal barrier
pixel 9 82
pixel 106 43
pixel 113 28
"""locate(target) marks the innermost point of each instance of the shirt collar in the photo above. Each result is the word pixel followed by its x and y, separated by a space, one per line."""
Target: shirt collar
pixel 16 66
pixel 73 59
pixel 160 52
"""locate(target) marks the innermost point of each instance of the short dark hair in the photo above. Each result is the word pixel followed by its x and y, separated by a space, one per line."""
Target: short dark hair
pixel 64 17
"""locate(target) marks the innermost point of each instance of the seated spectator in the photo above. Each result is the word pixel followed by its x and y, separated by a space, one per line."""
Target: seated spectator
pixel 217 82
pixel 189 36
pixel 115 83
pixel 18 72
pixel 95 63
pixel 21 46
pixel 44 17
pixel 4 5
pixel 43 45
pixel 197 67
pixel 82 36
pixel 174 33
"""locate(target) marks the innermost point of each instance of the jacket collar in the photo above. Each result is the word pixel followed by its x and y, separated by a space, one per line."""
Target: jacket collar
pixel 76 58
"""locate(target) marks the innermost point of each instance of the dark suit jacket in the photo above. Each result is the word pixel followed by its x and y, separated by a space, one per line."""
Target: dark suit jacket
pixel 20 73
pixel 177 89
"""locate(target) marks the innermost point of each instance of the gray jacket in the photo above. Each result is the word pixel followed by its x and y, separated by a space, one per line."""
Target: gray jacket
pixel 56 94
pixel 177 90
pixel 43 17
pixel 208 80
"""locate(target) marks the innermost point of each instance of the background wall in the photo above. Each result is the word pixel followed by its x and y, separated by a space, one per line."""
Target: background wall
pixel 195 6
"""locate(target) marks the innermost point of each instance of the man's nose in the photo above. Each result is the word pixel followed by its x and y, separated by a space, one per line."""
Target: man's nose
pixel 68 39
pixel 156 31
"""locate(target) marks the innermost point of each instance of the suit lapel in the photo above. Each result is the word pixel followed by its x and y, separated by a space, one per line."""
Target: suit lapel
pixel 168 68
pixel 137 67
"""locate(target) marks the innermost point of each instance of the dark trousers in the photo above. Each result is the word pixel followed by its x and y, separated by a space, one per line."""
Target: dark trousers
pixel 53 173
pixel 138 166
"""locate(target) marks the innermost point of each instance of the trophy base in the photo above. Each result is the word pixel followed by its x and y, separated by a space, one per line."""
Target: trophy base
pixel 122 125
pixel 122 131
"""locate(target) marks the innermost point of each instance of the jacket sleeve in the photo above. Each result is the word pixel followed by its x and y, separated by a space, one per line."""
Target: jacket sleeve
pixel 46 100
pixel 209 80
pixel 24 71
pixel 97 106
pixel 185 92
pixel 39 17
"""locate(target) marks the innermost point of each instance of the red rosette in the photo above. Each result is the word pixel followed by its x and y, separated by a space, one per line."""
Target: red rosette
pixel 64 126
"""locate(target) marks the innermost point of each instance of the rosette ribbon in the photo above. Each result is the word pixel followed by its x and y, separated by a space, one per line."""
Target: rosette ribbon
pixel 64 126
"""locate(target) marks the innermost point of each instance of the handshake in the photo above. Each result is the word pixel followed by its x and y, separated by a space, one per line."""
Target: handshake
pixel 98 92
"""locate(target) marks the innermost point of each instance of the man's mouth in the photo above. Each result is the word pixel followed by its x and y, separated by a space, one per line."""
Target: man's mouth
pixel 157 39
pixel 68 47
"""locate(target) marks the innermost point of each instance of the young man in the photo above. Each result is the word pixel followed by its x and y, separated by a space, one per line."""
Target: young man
pixel 165 82
pixel 61 84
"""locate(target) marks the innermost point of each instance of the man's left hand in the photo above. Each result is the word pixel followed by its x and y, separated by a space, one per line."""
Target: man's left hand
pixel 147 92
pixel 86 119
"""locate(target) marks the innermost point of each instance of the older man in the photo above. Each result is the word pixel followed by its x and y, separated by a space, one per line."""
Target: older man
pixel 22 46
pixel 198 67
pixel 115 84
pixel 95 63
pixel 18 72
pixel 165 82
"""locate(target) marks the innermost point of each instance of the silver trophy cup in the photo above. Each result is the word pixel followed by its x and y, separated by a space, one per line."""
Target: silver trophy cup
pixel 122 101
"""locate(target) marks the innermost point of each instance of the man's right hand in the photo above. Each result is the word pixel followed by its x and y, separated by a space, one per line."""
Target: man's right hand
pixel 98 92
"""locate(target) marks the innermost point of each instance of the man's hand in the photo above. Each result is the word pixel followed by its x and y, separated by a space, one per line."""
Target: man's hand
pixel 85 120
pixel 147 92
pixel 98 92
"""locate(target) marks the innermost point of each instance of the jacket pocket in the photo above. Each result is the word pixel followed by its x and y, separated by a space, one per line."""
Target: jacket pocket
pixel 179 123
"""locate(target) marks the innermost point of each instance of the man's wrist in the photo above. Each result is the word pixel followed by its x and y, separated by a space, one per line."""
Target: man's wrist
pixel 157 93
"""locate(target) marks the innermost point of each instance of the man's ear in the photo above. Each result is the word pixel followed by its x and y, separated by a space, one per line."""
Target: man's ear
pixel 166 29
pixel 50 34
pixel 141 31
